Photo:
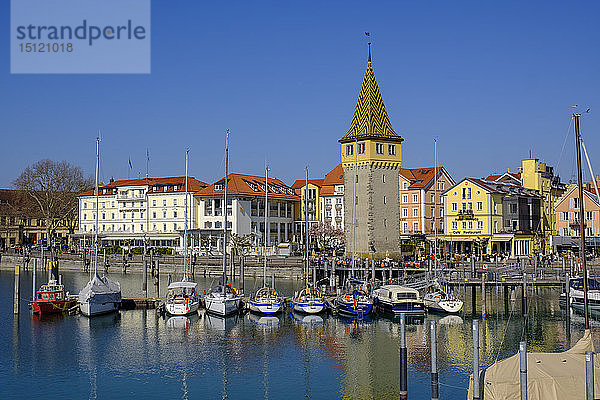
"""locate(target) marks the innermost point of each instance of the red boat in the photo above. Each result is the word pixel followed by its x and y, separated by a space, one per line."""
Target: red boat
pixel 51 298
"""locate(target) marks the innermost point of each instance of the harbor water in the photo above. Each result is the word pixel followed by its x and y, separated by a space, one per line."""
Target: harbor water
pixel 137 354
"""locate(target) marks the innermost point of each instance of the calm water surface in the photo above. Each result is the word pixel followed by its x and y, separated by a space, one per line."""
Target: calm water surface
pixel 135 354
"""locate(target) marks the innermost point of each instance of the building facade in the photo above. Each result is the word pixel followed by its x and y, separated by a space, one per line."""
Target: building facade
pixel 22 224
pixel 371 158
pixel 568 221
pixel 138 212
pixel 418 201
pixel 536 175
pixel 332 198
pixel 246 211
pixel 487 217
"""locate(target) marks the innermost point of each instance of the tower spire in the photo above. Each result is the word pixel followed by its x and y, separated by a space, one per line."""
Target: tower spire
pixel 369 51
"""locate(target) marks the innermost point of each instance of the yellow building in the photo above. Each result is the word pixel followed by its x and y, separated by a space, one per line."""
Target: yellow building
pixel 314 204
pixel 538 176
pixel 484 217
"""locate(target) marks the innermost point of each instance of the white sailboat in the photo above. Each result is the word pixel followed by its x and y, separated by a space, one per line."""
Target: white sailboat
pixel 223 299
pixel 266 300
pixel 182 298
pixel 438 299
pixel 308 300
pixel 101 295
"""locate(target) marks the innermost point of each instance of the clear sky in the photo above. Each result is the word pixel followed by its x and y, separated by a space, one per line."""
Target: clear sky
pixel 490 80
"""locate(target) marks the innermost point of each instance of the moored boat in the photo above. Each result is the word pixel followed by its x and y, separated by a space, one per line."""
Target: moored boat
pixel 100 296
pixel 222 300
pixel 355 300
pixel 308 301
pixel 182 298
pixel 397 300
pixel 266 300
pixel 52 298
pixel 441 301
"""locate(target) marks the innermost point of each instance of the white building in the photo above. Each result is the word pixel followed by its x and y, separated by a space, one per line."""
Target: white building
pixel 332 198
pixel 134 211
pixel 245 210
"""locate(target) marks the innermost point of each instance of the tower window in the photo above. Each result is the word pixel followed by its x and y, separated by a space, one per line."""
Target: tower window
pixel 360 148
pixel 392 149
pixel 379 148
pixel 349 149
pixel 383 178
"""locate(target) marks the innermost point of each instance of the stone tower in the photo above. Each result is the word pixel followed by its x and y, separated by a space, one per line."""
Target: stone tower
pixel 371 155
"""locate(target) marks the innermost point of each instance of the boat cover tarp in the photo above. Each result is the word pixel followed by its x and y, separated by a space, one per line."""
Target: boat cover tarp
pixel 559 376
pixel 109 290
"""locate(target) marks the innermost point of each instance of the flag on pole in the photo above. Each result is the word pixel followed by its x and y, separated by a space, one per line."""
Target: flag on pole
pixel 130 165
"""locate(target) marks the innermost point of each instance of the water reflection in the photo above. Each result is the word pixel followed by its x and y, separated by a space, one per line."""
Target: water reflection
pixel 292 356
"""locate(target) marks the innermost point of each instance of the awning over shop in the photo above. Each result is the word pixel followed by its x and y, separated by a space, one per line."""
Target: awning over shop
pixel 503 238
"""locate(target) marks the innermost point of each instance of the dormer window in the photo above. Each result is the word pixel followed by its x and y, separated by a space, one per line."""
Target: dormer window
pixel 218 186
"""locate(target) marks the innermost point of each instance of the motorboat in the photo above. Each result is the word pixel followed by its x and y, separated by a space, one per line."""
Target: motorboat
pixel 308 301
pixel 355 300
pixel 52 298
pixel 182 298
pixel 439 300
pixel 266 300
pixel 397 300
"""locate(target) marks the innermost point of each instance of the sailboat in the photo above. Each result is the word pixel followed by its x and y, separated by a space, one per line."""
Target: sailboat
pixel 308 300
pixel 436 298
pixel 101 295
pixel 223 300
pixel 355 299
pixel 182 298
pixel 266 300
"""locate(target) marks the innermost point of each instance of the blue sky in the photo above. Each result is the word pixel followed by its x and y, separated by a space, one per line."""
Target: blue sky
pixel 490 80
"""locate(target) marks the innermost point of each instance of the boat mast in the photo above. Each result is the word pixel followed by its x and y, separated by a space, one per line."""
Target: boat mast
pixel 96 206
pixel 354 201
pixel 435 210
pixel 266 225
pixel 225 208
pixel 185 226
pixel 306 266
pixel 581 222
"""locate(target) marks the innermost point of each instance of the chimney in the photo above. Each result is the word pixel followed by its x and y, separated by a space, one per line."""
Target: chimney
pixel 111 180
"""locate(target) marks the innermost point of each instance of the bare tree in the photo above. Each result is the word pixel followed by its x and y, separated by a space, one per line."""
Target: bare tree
pixel 54 185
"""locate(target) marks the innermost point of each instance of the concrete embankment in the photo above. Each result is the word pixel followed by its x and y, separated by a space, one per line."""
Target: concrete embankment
pixel 282 268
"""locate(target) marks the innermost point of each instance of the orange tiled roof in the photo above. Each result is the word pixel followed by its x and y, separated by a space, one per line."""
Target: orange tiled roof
pixel 301 182
pixel 239 184
pixel 419 177
pixel 495 177
pixel 157 185
pixel 333 177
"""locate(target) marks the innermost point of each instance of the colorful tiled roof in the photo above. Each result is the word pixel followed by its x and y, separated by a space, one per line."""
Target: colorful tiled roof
pixel 157 185
pixel 370 119
pixel 239 184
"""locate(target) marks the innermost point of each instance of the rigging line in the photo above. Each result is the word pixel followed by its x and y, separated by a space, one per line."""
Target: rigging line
pixel 564 143
pixel 505 330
